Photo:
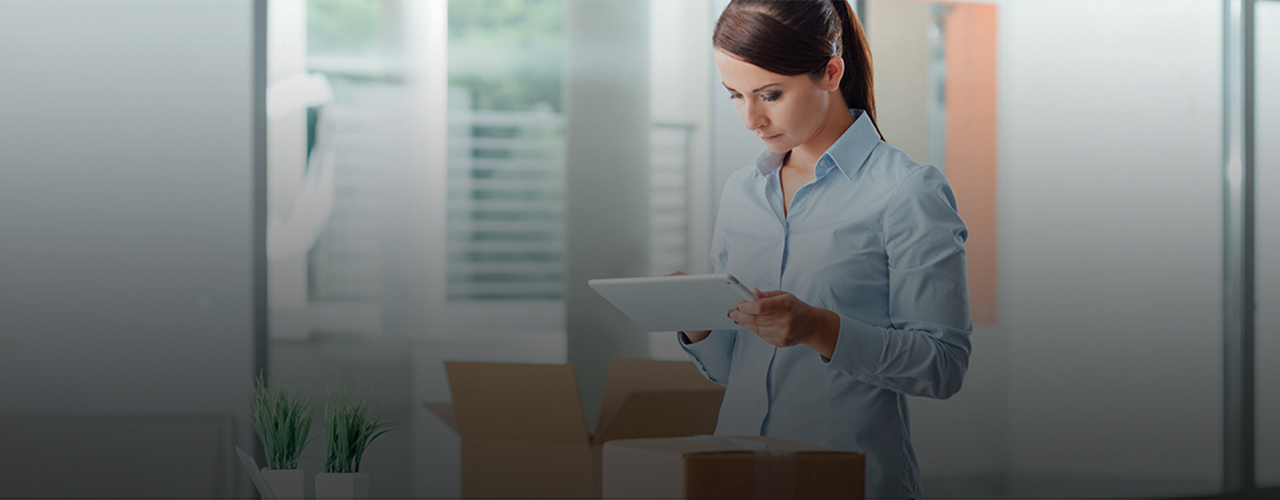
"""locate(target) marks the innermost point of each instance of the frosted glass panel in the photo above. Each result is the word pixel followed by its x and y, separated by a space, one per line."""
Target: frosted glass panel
pixel 1095 261
pixel 1111 263
pixel 1267 69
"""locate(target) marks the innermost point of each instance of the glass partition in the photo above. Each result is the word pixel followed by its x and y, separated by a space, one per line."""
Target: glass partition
pixel 419 156
pixel 1083 141
pixel 416 192
pixel 1267 259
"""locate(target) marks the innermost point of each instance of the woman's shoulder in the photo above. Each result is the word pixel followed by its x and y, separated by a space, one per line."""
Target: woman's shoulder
pixel 907 182
pixel 742 179
pixel 896 170
pixel 891 163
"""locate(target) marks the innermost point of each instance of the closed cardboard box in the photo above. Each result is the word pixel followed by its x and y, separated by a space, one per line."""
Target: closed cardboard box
pixel 524 433
pixel 729 467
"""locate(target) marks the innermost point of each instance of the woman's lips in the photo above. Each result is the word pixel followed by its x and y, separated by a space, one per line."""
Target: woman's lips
pixel 771 137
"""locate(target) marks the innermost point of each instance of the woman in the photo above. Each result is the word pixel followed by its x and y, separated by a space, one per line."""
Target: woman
pixel 861 245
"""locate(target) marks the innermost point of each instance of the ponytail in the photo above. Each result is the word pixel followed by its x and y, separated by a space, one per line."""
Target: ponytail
pixel 857 85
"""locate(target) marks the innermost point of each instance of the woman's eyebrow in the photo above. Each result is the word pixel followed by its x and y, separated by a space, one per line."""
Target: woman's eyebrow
pixel 753 91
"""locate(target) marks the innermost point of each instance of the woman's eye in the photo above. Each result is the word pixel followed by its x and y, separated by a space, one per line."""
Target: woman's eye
pixel 772 97
pixel 734 96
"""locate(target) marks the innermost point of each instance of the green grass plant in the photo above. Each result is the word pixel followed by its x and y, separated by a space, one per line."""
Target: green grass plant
pixel 282 422
pixel 349 429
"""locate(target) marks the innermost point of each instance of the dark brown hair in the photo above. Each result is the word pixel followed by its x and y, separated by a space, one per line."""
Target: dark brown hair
pixel 797 37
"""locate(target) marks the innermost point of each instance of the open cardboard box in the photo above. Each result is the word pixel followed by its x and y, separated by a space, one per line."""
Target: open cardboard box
pixel 524 433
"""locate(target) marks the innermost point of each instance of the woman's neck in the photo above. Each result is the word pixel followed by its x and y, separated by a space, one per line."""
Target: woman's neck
pixel 835 123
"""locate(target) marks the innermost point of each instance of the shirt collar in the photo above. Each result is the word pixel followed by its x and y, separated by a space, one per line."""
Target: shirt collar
pixel 853 147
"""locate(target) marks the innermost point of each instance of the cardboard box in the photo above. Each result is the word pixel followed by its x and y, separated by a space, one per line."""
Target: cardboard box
pixel 729 467
pixel 524 433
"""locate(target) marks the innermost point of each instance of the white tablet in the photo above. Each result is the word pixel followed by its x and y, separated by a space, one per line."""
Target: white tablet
pixel 670 303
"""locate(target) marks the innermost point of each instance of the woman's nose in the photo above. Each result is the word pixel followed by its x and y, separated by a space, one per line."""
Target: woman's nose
pixel 753 117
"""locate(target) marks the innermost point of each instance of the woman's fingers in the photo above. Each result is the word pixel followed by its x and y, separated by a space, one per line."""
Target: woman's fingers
pixel 772 303
pixel 773 318
pixel 677 273
pixel 740 318
pixel 744 318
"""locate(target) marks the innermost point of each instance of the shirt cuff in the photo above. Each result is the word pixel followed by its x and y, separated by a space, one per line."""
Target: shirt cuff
pixel 712 354
pixel 859 348
pixel 719 341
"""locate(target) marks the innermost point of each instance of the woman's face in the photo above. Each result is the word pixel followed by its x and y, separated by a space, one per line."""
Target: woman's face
pixel 784 111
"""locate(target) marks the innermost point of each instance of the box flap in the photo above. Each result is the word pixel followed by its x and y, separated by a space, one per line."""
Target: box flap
pixel 628 375
pixel 532 402
pixel 445 412
pixel 663 414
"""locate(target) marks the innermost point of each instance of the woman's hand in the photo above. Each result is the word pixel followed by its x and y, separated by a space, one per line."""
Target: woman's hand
pixel 783 320
pixel 697 335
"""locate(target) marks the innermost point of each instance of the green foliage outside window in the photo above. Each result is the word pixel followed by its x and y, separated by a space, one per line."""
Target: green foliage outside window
pixel 344 27
pixel 507 53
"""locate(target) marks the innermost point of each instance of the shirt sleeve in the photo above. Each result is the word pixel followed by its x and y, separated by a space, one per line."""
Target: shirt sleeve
pixel 713 355
pixel 926 350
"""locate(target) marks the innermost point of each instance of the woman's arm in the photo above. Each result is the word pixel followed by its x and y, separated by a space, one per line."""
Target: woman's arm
pixel 693 337
pixel 926 350
pixel 713 354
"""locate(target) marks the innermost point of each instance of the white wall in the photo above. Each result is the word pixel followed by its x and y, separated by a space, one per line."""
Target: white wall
pixel 1110 220
pixel 126 165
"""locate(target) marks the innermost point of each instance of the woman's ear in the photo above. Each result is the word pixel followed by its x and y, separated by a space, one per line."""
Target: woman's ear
pixel 835 71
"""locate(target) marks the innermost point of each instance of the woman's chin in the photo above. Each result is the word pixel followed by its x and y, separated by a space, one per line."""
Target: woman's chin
pixel 777 146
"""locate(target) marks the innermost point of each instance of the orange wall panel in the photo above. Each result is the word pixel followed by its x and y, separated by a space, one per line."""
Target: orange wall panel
pixel 970 32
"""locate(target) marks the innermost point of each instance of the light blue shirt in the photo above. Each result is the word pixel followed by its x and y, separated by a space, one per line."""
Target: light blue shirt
pixel 875 238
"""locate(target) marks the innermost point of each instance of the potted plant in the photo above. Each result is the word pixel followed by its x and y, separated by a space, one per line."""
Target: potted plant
pixel 349 429
pixel 282 422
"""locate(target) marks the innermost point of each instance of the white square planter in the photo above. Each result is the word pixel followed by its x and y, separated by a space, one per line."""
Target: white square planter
pixel 342 486
pixel 286 484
